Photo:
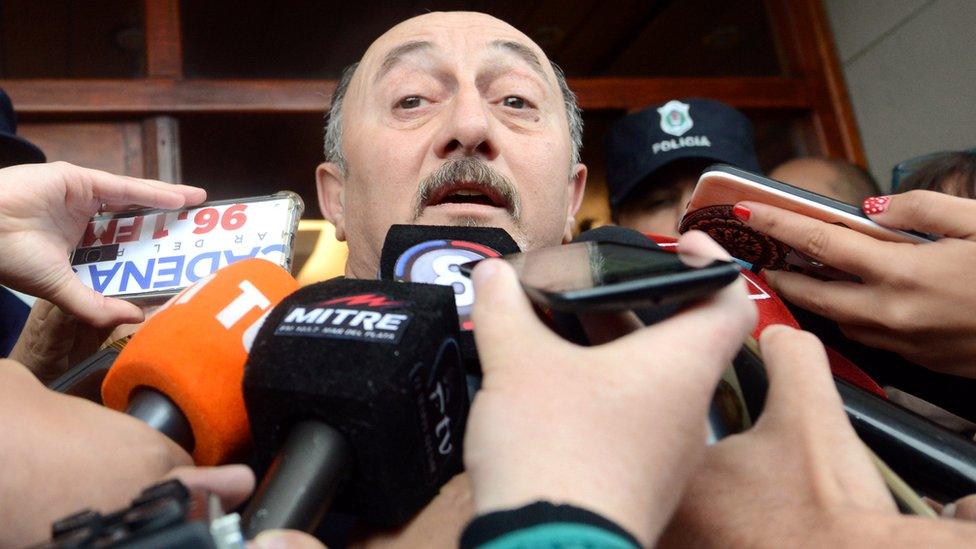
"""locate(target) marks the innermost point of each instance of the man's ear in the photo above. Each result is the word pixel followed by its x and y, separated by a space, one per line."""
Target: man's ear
pixel 331 188
pixel 575 189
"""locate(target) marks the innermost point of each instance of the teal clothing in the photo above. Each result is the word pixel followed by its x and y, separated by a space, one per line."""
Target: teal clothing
pixel 543 525
pixel 560 535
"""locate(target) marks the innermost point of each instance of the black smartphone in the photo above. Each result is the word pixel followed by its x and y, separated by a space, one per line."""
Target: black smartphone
pixel 607 277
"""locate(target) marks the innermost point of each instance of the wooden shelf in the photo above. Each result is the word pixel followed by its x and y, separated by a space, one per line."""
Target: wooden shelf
pixel 165 96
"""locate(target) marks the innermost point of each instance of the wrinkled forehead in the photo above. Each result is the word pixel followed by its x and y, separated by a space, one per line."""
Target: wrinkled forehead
pixel 452 36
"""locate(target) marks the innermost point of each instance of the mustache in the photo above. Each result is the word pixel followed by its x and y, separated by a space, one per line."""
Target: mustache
pixel 470 170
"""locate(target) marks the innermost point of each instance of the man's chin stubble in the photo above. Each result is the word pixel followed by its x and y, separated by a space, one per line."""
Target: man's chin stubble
pixel 516 232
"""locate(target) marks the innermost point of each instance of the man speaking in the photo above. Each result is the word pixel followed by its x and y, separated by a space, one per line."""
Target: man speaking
pixel 459 119
pixel 451 119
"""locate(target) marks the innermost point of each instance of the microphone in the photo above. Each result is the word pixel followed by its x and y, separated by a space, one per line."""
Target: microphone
pixel 181 373
pixel 431 254
pixel 355 380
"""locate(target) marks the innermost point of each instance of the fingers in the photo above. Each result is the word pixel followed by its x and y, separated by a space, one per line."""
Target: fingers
pixel 839 247
pixel 118 190
pixel 800 383
pixel 719 323
pixel 876 337
pixel 52 341
pixel 502 313
pixel 964 509
pixel 285 539
pixel 602 328
pixel 233 483
pixel 699 243
pixel 845 302
pixel 925 211
pixel 92 307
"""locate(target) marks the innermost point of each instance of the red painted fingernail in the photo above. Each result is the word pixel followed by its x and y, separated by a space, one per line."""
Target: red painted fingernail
pixel 741 212
pixel 875 204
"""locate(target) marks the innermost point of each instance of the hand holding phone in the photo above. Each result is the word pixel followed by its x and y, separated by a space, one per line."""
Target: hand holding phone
pixel 608 391
pixel 915 300
pixel 44 209
pixel 147 256
pixel 606 277
pixel 720 187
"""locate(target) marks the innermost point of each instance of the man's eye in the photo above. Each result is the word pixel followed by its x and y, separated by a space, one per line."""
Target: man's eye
pixel 410 102
pixel 514 102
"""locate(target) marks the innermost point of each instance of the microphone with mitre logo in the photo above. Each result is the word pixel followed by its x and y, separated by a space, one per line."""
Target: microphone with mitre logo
pixel 355 388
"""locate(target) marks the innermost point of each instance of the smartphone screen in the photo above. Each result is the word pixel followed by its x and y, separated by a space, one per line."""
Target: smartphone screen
pixel 147 256
pixel 599 276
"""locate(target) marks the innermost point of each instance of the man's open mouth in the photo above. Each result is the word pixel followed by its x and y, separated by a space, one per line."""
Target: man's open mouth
pixel 466 192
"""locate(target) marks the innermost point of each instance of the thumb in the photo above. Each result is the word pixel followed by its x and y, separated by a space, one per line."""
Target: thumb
pixel 925 211
pixel 74 297
pixel 232 483
pixel 502 313
pixel 964 509
pixel 801 387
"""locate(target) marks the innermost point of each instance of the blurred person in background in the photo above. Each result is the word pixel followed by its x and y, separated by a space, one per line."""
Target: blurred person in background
pixel 831 177
pixel 655 156
pixel 14 307
pixel 948 172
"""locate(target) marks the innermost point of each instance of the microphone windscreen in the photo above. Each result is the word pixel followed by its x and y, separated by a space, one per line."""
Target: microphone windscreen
pixel 194 350
pixel 431 254
pixel 379 362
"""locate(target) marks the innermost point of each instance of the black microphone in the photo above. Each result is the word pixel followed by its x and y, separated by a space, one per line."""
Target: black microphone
pixel 357 381
pixel 431 254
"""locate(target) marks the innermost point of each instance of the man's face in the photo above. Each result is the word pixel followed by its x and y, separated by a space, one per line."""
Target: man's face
pixel 452 119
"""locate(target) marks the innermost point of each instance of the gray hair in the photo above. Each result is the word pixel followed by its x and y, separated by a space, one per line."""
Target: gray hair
pixel 333 125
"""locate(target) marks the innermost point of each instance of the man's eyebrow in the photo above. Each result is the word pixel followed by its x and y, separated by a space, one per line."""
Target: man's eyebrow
pixel 525 53
pixel 397 53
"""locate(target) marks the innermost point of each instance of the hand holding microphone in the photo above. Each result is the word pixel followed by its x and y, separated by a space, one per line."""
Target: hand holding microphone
pixel 53 341
pixel 182 372
pixel 610 428
pixel 67 454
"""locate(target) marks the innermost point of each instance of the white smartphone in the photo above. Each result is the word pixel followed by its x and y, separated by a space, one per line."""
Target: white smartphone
pixel 720 187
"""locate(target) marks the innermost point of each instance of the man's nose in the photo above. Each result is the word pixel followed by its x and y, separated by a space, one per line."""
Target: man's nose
pixel 467 129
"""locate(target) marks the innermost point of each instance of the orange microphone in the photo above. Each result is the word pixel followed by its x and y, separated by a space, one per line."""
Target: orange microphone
pixel 182 372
